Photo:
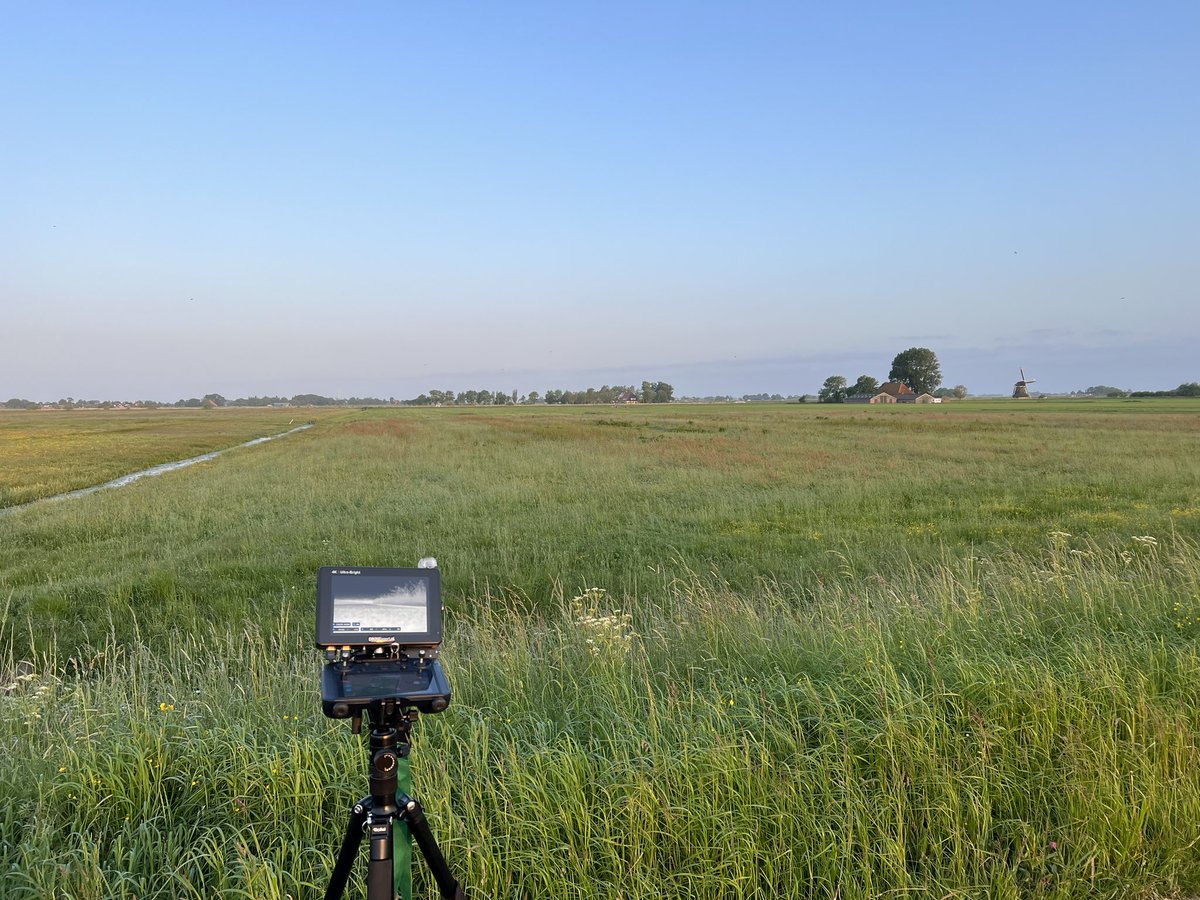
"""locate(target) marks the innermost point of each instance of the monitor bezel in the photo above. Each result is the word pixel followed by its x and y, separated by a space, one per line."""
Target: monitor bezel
pixel 326 637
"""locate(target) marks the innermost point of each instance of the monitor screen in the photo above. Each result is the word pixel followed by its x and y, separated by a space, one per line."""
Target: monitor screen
pixel 378 603
pixel 371 605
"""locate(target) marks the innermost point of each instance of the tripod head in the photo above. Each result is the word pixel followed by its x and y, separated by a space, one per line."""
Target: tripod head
pixel 383 715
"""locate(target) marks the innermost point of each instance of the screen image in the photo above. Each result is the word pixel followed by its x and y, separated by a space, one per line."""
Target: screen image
pixel 380 603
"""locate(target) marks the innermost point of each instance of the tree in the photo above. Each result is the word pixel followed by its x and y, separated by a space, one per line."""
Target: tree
pixel 865 385
pixel 1105 390
pixel 960 391
pixel 833 390
pixel 918 368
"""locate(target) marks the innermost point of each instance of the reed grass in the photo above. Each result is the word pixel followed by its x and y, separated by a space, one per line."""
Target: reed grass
pixel 1015 727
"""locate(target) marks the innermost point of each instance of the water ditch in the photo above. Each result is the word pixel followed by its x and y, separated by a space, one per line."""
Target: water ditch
pixel 153 470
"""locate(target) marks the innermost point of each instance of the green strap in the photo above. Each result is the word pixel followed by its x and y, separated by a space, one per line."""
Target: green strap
pixel 402 838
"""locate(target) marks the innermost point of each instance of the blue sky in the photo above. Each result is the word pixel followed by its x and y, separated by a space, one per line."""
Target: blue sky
pixel 381 198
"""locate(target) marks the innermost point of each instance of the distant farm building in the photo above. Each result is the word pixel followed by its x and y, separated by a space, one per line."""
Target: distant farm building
pixel 893 392
pixel 898 389
pixel 871 398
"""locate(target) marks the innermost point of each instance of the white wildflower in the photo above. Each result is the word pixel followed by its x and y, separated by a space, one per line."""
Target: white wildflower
pixel 608 633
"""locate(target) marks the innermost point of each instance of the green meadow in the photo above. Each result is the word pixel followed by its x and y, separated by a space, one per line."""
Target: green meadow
pixel 47 452
pixel 697 651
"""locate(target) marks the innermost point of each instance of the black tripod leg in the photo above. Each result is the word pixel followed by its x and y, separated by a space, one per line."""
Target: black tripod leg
pixel 414 815
pixel 381 884
pixel 345 858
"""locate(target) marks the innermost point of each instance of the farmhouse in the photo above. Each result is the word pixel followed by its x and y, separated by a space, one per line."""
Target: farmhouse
pixel 871 398
pixel 893 392
pixel 898 389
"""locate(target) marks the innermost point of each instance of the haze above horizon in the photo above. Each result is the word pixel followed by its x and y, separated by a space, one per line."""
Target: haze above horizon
pixel 377 199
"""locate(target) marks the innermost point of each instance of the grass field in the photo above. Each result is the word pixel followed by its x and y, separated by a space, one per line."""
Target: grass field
pixel 696 652
pixel 43 452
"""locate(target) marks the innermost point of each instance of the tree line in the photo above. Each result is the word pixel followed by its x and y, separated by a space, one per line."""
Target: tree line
pixel 208 401
pixel 465 398
pixel 216 400
pixel 1187 389
pixel 651 392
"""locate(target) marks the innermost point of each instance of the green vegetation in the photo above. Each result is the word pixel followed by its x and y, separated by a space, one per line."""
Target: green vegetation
pixel 541 502
pixel 865 385
pixel 918 368
pixel 651 392
pixel 48 452
pixel 1187 389
pixel 931 652
pixel 834 389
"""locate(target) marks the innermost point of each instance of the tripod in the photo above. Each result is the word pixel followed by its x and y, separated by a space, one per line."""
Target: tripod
pixel 386 811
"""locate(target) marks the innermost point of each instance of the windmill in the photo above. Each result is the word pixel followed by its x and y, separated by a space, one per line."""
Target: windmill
pixel 1021 388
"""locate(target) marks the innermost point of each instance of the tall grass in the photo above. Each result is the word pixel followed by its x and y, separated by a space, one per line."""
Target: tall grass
pixel 1016 725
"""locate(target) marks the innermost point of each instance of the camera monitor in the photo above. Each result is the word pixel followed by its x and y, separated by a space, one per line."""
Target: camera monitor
pixel 373 607
pixel 380 629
